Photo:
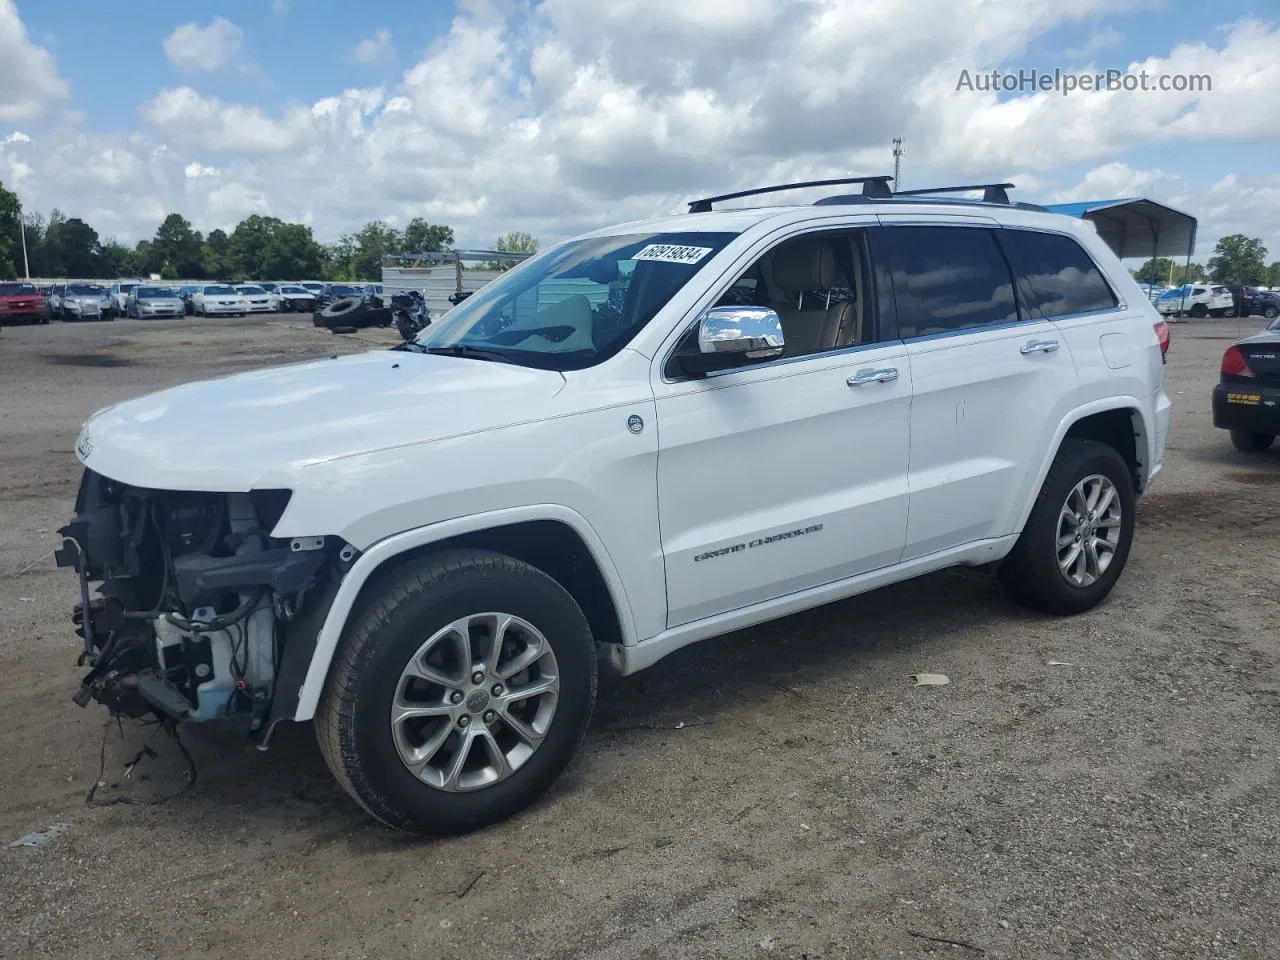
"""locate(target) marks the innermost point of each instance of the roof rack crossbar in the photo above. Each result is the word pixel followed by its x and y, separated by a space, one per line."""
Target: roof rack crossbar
pixel 877 187
pixel 991 192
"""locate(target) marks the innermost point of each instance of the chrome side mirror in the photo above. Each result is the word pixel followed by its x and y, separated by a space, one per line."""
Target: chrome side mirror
pixel 749 333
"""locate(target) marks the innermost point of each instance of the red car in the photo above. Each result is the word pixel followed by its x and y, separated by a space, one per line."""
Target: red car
pixel 23 302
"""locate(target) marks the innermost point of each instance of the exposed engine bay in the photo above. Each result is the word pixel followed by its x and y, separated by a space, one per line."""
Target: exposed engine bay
pixel 197 603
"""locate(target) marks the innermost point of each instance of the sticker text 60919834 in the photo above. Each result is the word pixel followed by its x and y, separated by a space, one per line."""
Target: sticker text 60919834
pixel 671 253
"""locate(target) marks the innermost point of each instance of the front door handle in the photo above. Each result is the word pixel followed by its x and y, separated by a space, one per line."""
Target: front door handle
pixel 1039 346
pixel 869 375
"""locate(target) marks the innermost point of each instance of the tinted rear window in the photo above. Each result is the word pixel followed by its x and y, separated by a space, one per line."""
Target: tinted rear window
pixel 946 278
pixel 1062 278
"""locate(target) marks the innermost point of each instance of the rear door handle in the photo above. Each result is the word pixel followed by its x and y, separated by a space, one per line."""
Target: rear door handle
pixel 869 375
pixel 1039 346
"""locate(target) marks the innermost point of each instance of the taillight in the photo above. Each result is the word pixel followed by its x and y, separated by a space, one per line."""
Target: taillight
pixel 1162 331
pixel 1234 364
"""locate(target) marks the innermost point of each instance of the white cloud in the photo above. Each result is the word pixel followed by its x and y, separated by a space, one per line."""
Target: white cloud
pixel 29 80
pixel 194 170
pixel 570 114
pixel 375 49
pixel 218 46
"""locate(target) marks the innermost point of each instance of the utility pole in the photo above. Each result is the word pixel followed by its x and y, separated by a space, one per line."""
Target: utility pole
pixel 22 224
pixel 898 153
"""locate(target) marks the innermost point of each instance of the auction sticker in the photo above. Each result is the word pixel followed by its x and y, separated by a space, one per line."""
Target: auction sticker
pixel 671 253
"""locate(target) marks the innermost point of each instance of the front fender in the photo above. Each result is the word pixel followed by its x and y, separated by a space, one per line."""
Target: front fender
pixel 386 549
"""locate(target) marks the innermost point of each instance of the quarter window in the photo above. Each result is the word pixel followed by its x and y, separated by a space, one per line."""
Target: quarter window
pixel 1061 277
pixel 946 278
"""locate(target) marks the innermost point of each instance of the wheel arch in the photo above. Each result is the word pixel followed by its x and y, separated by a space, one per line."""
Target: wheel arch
pixel 1119 422
pixel 555 539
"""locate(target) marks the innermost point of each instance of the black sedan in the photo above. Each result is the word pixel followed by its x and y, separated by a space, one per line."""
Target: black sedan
pixel 1246 401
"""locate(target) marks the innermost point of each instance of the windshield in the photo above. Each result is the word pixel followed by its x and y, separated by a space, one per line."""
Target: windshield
pixel 578 303
pixel 344 290
pixel 18 290
pixel 252 291
pixel 126 287
pixel 218 291
pixel 293 290
pixel 155 293
pixel 86 290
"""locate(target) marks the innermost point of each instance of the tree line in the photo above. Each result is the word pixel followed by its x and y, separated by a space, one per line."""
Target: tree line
pixel 1236 259
pixel 261 248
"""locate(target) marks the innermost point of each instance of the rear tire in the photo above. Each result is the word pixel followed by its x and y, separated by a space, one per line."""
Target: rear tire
pixel 1199 311
pixel 389 639
pixel 1033 572
pixel 1247 441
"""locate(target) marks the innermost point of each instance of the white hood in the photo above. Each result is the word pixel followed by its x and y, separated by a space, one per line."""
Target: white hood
pixel 231 433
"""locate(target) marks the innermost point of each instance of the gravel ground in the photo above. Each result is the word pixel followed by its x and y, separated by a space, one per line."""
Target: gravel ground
pixel 1102 786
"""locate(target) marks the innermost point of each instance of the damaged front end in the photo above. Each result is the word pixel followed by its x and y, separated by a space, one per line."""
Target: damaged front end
pixel 200 614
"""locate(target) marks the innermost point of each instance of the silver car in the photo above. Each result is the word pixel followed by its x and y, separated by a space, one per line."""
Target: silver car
pixel 153 301
pixel 81 301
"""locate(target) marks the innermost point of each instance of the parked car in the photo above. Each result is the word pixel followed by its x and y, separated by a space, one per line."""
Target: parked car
pixel 1196 300
pixel 1246 400
pixel 119 293
pixel 295 297
pixel 315 286
pixel 81 301
pixel 258 299
pixel 186 294
pixel 23 302
pixel 1251 301
pixel 431 550
pixel 148 302
pixel 339 291
pixel 219 299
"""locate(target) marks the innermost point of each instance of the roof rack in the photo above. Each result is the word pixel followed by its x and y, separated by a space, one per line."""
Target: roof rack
pixel 991 192
pixel 872 187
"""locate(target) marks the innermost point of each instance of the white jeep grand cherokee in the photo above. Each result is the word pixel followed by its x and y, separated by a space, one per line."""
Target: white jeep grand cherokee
pixel 639 438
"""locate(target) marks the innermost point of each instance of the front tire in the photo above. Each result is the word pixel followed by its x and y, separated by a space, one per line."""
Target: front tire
pixel 1247 441
pixel 408 729
pixel 1270 312
pixel 1076 541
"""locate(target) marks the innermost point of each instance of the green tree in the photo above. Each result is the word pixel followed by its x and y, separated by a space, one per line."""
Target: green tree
pixel 1238 259
pixel 10 234
pixel 517 241
pixel 1273 275
pixel 116 260
pixel 340 259
pixel 76 248
pixel 1188 273
pixel 247 245
pixel 177 245
pixel 34 227
pixel 144 260
pixel 215 258
pixel 1155 270
pixel 423 237
pixel 291 253
pixel 368 246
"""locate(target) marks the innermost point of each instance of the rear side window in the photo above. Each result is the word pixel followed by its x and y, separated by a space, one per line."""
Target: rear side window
pixel 946 278
pixel 1061 276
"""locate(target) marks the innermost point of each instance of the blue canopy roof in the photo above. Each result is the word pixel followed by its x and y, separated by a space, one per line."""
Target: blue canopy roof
pixel 1135 227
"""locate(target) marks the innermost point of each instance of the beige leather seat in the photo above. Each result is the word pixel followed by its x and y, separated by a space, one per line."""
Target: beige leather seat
pixel 803 275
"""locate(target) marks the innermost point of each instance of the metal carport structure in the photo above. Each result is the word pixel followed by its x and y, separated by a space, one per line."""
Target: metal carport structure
pixel 1137 228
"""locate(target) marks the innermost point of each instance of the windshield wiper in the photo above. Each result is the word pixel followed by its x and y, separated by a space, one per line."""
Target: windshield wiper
pixel 466 350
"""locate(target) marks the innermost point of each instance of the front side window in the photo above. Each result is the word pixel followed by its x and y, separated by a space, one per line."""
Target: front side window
pixel 1061 278
pixel 575 304
pixel 946 278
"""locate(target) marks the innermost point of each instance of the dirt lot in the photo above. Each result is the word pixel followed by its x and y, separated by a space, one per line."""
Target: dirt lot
pixel 1104 786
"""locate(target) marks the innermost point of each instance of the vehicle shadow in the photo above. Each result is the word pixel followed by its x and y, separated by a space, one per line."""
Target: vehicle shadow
pixel 288 789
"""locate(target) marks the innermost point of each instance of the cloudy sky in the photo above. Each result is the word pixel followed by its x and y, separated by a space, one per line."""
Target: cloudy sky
pixel 553 116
